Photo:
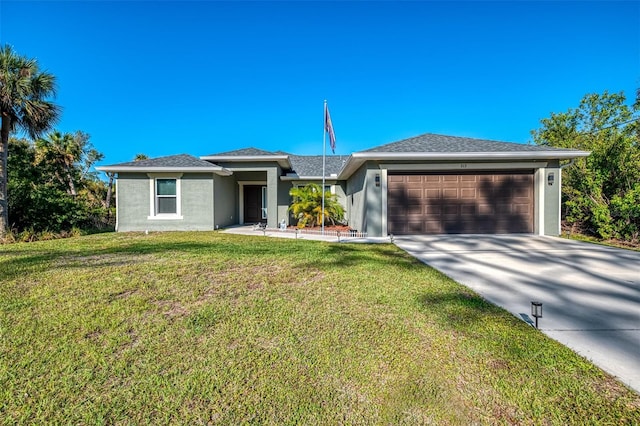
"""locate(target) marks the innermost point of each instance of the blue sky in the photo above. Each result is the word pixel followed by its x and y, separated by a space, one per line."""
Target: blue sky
pixel 162 77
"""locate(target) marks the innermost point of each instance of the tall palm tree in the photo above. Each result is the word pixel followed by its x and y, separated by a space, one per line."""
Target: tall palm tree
pixel 24 91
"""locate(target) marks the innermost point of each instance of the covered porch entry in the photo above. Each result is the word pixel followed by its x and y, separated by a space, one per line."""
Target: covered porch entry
pixel 254 200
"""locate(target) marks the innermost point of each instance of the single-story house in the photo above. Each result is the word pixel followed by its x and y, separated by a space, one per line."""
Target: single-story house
pixel 428 184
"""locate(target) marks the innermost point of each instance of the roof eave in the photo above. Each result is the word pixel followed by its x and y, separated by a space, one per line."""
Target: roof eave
pixel 330 177
pixel 123 169
pixel 443 156
pixel 358 158
pixel 282 160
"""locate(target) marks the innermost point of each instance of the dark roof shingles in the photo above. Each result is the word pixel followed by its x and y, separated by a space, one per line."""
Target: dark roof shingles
pixel 311 165
pixel 433 143
pixel 180 160
pixel 245 152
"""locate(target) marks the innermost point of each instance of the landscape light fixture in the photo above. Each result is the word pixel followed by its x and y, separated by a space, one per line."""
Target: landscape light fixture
pixel 550 178
pixel 536 311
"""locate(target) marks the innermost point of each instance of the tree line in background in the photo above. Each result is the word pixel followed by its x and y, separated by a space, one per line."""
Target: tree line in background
pixel 52 188
pixel 600 193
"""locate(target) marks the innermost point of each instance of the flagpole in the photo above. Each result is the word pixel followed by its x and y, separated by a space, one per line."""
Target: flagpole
pixel 324 153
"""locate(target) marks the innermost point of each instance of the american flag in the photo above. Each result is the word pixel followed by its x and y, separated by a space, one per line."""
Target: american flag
pixel 328 127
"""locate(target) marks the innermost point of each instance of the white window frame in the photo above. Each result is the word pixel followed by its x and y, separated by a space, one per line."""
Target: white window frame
pixel 153 203
pixel 264 202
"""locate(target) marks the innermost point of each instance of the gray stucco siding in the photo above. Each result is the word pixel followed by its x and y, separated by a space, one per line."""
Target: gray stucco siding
pixel 225 205
pixel 356 197
pixel 284 201
pixel 134 203
pixel 373 202
pixel 552 199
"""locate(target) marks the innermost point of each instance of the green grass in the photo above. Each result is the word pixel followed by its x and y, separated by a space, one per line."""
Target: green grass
pixel 200 328
pixel 611 243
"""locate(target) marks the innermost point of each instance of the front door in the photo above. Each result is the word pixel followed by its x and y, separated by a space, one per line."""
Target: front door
pixel 255 204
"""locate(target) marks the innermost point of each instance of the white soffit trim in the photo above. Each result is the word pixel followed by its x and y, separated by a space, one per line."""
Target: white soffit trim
pixel 332 177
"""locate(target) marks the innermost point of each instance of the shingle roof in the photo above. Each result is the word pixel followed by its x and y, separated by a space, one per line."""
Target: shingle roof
pixel 180 160
pixel 430 142
pixel 244 152
pixel 311 165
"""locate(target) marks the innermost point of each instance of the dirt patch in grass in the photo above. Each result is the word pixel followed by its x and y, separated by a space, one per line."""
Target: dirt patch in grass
pixel 122 294
pixel 171 309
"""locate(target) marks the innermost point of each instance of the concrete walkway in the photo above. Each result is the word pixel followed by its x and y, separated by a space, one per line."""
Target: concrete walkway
pixel 289 233
pixel 590 293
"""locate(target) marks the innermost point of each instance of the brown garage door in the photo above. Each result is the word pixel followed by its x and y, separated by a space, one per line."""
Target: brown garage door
pixel 478 203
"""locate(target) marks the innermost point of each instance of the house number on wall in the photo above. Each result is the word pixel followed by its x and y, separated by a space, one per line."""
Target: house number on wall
pixel 463 166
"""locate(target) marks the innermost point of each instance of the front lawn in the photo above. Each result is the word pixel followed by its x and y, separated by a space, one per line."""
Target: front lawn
pixel 199 328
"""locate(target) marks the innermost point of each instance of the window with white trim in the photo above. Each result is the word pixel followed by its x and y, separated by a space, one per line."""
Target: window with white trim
pixel 165 197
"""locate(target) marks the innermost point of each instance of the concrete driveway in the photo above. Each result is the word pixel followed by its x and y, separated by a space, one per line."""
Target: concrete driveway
pixel 590 293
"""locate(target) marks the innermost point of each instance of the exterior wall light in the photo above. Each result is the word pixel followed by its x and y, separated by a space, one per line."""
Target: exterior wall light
pixel 550 178
pixel 536 311
pixel 377 180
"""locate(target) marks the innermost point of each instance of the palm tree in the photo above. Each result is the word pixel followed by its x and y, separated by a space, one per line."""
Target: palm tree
pixel 68 157
pixel 24 90
pixel 307 206
pixel 60 153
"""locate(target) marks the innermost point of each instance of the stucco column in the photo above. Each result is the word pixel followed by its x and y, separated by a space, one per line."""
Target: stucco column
pixel 272 197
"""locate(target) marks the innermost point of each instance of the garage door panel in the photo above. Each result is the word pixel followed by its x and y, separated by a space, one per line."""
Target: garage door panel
pixel 432 194
pixel 503 209
pixel 468 209
pixel 451 210
pixel 468 193
pixel 522 209
pixel 415 226
pixel 432 227
pixel 460 203
pixel 433 209
pixel 450 193
pixel 414 196
pixel 486 209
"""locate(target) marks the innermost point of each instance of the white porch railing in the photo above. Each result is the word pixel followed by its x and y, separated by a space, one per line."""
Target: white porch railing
pixel 340 235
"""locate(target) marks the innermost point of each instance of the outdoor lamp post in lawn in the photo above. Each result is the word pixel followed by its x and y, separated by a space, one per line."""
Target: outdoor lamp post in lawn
pixel 536 311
